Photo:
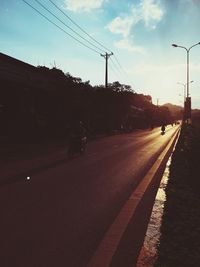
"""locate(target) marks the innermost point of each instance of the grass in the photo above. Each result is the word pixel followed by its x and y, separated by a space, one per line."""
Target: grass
pixel 180 231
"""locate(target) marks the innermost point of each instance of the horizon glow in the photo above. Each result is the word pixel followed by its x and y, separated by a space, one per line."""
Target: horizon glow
pixel 139 32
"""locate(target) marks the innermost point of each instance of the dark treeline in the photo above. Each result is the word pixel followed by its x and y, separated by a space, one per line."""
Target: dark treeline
pixel 46 106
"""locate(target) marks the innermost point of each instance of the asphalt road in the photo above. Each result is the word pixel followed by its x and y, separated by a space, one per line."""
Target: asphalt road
pixel 58 216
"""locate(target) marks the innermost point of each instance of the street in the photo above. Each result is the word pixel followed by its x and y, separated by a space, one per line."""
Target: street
pixel 58 216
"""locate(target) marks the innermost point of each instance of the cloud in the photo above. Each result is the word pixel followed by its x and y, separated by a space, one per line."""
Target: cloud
pixel 121 25
pixel 83 5
pixel 147 11
pixel 129 46
pixel 151 12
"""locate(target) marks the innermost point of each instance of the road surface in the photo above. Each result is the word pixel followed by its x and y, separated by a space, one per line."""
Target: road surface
pixel 57 217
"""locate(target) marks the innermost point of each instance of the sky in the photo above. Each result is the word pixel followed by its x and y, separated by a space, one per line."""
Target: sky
pixel 140 34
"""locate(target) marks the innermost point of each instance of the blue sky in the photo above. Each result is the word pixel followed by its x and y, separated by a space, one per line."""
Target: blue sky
pixel 139 32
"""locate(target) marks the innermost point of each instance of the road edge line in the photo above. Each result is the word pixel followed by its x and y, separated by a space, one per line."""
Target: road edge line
pixel 107 247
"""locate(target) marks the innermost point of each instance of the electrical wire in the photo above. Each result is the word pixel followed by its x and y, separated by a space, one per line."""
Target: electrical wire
pixel 120 66
pixel 114 71
pixel 117 66
pixel 120 70
pixel 60 27
pixel 80 28
pixel 68 26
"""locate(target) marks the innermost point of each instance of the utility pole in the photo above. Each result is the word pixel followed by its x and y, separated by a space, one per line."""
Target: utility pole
pixel 106 56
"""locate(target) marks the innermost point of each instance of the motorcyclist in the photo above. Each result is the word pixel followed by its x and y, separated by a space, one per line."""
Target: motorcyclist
pixel 163 128
pixel 77 138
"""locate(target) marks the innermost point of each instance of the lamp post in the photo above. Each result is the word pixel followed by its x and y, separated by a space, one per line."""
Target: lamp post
pixel 184 91
pixel 184 98
pixel 187 83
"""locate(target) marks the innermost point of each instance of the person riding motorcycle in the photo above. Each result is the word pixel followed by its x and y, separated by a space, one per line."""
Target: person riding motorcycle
pixel 78 139
pixel 163 129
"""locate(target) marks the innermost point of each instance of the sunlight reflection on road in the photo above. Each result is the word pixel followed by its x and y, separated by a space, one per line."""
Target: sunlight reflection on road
pixel 148 252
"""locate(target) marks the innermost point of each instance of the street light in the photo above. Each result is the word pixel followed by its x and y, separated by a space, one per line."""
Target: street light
pixel 184 98
pixel 187 83
pixel 184 91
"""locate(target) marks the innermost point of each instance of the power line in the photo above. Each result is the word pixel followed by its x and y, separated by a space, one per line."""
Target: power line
pixel 67 25
pixel 76 24
pixel 114 71
pixel 119 64
pixel 120 69
pixel 60 28
pixel 116 67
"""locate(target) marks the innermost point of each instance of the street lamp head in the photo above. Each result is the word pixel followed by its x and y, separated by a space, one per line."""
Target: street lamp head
pixel 174 45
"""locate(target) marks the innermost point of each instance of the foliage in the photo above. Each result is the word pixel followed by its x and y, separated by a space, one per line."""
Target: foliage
pixel 47 101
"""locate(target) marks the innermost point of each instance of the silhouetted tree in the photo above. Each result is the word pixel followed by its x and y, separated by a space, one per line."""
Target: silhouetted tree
pixel 47 101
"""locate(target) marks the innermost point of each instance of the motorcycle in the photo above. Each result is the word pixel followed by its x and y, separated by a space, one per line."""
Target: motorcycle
pixel 77 145
pixel 162 130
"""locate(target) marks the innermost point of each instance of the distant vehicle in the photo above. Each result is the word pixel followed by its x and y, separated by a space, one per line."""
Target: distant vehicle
pixel 162 129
